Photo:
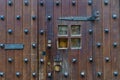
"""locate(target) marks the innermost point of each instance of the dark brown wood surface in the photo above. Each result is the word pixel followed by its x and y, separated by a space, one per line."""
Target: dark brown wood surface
pixel 89 41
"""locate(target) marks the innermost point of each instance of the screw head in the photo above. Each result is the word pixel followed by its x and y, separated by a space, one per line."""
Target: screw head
pixel 89 2
pixel 10 31
pixel 82 74
pixel 26 3
pixel 17 74
pixel 66 74
pixel 115 73
pixel 114 16
pixel 2 17
pixel 73 3
pixel 10 60
pixel 10 3
pixel 25 60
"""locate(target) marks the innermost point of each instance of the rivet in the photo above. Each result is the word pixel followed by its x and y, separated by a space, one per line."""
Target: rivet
pixel 10 60
pixel 34 45
pixel 114 16
pixel 66 74
pixel 57 3
pixel 2 17
pixel 25 60
pixel 49 74
pixel 73 3
pixel 106 30
pixel 90 31
pixel 115 73
pixel 41 32
pixel 2 45
pixel 99 74
pixel 82 74
pixel 106 2
pixel 90 59
pixel 49 46
pixel 1 74
pixel 43 53
pixel 10 3
pixel 41 60
pixel 49 18
pixel 34 74
pixel 33 17
pixel 98 45
pixel 115 44
pixel 97 14
pixel 10 31
pixel 107 59
pixel 26 3
pixel 17 74
pixel 41 3
pixel 89 2
pixel 74 60
pixel 26 31
pixel 18 17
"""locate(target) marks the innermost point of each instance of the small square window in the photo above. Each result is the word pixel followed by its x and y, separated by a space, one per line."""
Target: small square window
pixel 75 43
pixel 62 43
pixel 62 30
pixel 75 30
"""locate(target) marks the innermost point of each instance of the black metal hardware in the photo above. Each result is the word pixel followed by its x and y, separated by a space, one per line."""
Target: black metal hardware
pixel 73 3
pixel 10 3
pixel 18 74
pixel 41 3
pixel 74 60
pixel 114 16
pixel 26 31
pixel 13 46
pixel 98 45
pixel 1 74
pixel 41 32
pixel 99 74
pixel 82 74
pixel 43 53
pixel 10 31
pixel 115 44
pixel 26 3
pixel 41 61
pixel 49 75
pixel 90 59
pixel 2 17
pixel 106 30
pixel 94 17
pixel 57 3
pixel 34 45
pixel 10 60
pixel 107 59
pixel 66 74
pixel 115 73
pixel 34 74
pixel 89 2
pixel 2 45
pixel 90 31
pixel 25 60
pixel 49 18
pixel 106 2
pixel 18 17
pixel 33 17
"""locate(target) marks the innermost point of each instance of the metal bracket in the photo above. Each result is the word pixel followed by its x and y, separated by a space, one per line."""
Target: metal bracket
pixel 94 17
pixel 13 46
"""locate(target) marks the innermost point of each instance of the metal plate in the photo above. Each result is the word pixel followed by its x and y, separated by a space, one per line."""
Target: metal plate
pixel 14 46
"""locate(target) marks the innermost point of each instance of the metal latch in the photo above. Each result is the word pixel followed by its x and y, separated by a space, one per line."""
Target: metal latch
pixel 91 18
pixel 12 46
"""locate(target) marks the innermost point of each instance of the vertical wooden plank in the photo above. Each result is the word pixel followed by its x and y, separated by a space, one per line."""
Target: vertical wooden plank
pixel 18 38
pixel 3 55
pixel 106 41
pixel 42 41
pixel 82 11
pixel 10 73
pixel 27 40
pixel 34 30
pixel 65 53
pixel 57 14
pixel 114 37
pixel 98 57
pixel 89 27
pixel 49 36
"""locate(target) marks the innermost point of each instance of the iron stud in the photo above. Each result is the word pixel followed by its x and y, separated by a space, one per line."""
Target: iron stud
pixel 10 3
pixel 41 60
pixel 115 73
pixel 66 74
pixel 49 75
pixel 2 45
pixel 33 17
pixel 98 45
pixel 57 3
pixel 10 31
pixel 17 74
pixel 41 3
pixel 107 59
pixel 26 3
pixel 73 3
pixel 49 18
pixel 114 16
pixel 90 31
pixel 99 74
pixel 41 32
pixel 18 17
pixel 34 45
pixel 74 60
pixel 1 74
pixel 106 30
pixel 2 17
pixel 26 60
pixel 89 2
pixel 26 31
pixel 34 74
pixel 10 60
pixel 90 59
pixel 82 74
pixel 114 44
pixel 106 2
